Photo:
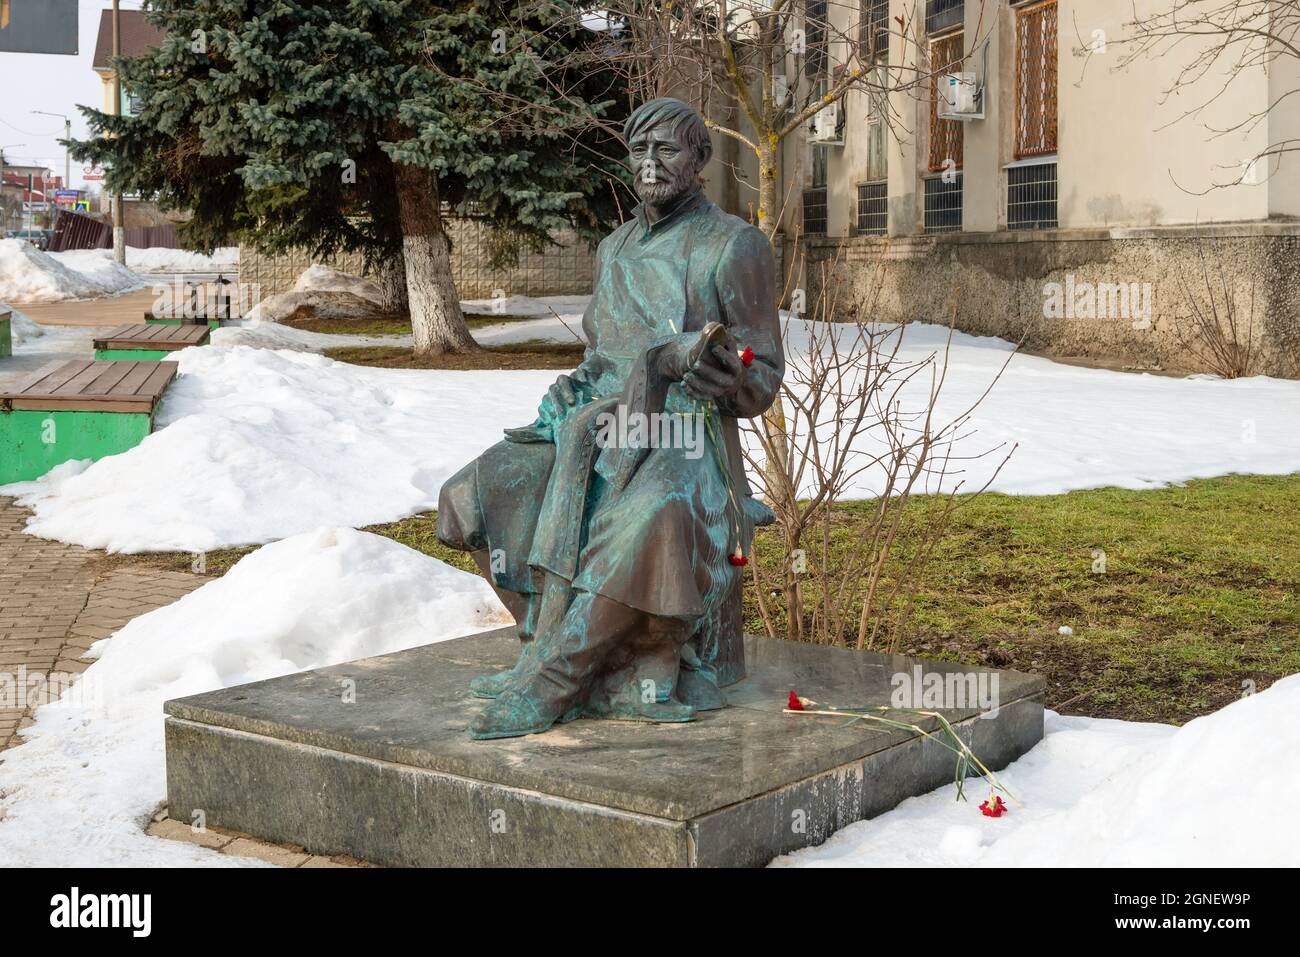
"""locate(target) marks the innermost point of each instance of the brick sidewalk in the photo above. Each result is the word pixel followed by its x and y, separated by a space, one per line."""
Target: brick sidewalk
pixel 56 600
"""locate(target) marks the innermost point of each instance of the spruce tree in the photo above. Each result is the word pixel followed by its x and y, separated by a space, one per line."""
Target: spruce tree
pixel 344 125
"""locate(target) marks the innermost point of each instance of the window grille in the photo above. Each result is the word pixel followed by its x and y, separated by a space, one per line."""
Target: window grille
pixel 814 212
pixel 943 202
pixel 873 209
pixel 1036 53
pixel 946 139
pixel 1031 197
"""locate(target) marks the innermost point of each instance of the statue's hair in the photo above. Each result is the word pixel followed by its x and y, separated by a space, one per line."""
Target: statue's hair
pixel 680 117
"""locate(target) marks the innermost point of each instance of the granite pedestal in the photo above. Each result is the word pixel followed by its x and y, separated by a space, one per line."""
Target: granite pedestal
pixel 371 759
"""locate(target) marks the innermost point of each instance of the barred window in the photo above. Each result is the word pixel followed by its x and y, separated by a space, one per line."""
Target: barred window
pixel 873 209
pixel 943 14
pixel 814 29
pixel 946 137
pixel 874 30
pixel 1036 53
pixel 943 205
pixel 1031 196
pixel 814 212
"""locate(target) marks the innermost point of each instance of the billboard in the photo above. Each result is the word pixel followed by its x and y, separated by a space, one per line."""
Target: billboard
pixel 38 26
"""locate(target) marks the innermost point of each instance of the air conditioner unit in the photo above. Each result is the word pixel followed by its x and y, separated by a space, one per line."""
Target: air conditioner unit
pixel 960 97
pixel 823 128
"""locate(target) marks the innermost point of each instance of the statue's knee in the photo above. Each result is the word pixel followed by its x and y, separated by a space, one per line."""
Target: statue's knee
pixel 459 525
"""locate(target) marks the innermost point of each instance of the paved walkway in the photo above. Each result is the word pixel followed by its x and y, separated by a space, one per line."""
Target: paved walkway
pixel 55 601
pixel 93 312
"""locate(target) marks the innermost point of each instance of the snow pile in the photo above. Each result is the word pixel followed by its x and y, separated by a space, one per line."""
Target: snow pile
pixel 321 293
pixel 80 789
pixel 1218 792
pixel 273 335
pixel 326 279
pixel 22 329
pixel 29 275
pixel 224 259
pixel 270 444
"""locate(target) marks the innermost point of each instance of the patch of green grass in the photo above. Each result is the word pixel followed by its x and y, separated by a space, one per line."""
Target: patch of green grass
pixel 1175 596
pixel 532 354
pixel 387 326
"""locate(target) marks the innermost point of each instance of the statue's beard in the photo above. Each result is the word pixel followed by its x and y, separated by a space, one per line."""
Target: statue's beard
pixel 660 192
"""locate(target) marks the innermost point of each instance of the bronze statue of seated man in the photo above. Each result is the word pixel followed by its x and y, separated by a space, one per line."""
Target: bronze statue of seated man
pixel 614 528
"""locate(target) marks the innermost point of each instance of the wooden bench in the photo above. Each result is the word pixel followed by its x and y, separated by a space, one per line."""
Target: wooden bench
pixel 211 309
pixel 6 335
pixel 141 341
pixel 77 409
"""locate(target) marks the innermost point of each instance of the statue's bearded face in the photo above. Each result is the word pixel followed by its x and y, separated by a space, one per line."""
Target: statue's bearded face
pixel 663 167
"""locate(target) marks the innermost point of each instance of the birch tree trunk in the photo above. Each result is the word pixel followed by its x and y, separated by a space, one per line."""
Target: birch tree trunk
pixel 437 325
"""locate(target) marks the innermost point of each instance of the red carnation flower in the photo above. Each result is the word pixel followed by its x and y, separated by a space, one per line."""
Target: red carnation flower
pixel 993 807
pixel 738 557
pixel 794 704
pixel 747 357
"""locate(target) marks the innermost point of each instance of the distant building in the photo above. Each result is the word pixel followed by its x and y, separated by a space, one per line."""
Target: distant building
pixel 139 36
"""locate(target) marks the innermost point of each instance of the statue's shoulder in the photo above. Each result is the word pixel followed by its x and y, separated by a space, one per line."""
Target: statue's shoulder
pixel 731 235
pixel 615 239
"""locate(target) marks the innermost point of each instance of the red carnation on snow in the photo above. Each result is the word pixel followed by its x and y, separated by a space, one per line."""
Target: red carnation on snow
pixel 794 704
pixel 993 807
pixel 747 357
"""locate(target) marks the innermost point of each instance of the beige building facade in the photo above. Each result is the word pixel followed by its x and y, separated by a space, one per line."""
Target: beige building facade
pixel 1077 162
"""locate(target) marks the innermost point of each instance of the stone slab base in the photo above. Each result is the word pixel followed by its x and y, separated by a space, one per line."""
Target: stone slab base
pixel 370 759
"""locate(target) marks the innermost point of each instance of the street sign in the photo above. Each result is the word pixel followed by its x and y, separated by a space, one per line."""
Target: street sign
pixel 83 206
pixel 38 26
pixel 92 174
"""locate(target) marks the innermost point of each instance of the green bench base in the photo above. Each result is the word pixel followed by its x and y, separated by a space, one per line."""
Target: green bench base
pixel 33 442
pixel 153 321
pixel 137 355
pixel 6 338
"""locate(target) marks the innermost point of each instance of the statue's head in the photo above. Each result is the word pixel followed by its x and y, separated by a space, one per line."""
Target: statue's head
pixel 669 145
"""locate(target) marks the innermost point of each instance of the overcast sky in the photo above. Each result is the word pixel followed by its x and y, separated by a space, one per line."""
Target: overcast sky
pixel 56 84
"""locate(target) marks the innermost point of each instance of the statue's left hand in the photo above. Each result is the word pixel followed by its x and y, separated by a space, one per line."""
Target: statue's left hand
pixel 718 372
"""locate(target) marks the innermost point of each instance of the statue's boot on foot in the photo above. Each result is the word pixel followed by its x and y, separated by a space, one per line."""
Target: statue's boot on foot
pixel 490 686
pixel 513 714
pixel 556 678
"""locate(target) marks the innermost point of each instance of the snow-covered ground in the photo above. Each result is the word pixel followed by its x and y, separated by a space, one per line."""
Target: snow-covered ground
pixel 224 259
pixel 29 275
pixel 90 773
pixel 1219 791
pixel 277 441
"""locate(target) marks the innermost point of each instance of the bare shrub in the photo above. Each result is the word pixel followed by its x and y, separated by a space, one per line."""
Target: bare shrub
pixel 860 416
pixel 1214 330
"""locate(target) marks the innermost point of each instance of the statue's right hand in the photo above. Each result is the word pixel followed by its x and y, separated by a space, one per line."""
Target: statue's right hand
pixel 562 392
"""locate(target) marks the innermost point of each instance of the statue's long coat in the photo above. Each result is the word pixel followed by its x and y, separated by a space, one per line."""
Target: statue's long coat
pixel 653 528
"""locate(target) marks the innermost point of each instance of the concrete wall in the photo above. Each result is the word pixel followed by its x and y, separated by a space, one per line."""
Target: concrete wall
pixel 562 270
pixel 1000 283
